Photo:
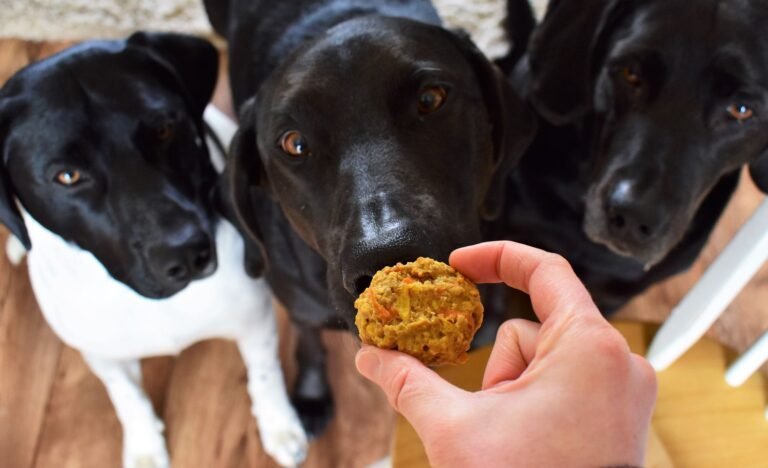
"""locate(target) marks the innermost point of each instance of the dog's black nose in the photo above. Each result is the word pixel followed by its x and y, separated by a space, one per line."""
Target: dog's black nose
pixel 629 215
pixel 191 259
pixel 363 260
pixel 361 267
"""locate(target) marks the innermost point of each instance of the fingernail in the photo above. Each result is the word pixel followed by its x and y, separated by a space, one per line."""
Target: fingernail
pixel 368 363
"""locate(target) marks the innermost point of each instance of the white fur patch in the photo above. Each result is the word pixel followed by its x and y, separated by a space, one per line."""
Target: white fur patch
pixel 93 312
pixel 14 250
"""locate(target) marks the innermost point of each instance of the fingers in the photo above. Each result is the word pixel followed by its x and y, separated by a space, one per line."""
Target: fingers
pixel 414 390
pixel 514 349
pixel 548 278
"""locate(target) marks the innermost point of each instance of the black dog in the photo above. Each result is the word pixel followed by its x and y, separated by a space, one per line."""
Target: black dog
pixel 105 147
pixel 369 135
pixel 653 106
pixel 155 243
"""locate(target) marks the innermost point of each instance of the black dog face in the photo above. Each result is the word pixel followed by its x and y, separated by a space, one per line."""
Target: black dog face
pixel 679 92
pixel 383 140
pixel 103 145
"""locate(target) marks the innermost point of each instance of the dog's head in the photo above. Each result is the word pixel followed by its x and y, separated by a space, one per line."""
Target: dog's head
pixel 382 140
pixel 678 90
pixel 103 144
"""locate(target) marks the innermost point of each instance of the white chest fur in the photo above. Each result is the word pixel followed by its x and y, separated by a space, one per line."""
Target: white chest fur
pixel 95 313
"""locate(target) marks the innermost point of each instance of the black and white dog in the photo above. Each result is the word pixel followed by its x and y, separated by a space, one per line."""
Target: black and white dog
pixel 104 148
pixel 650 110
pixel 369 135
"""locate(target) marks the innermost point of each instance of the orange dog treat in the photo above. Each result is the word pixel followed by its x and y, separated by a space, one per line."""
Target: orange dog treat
pixel 423 308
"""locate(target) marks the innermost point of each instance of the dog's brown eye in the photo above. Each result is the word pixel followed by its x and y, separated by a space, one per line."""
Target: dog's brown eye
pixel 740 112
pixel 431 99
pixel 631 76
pixel 165 132
pixel 293 143
pixel 68 178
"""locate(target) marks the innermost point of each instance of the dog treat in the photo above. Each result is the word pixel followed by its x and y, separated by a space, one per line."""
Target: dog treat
pixel 423 308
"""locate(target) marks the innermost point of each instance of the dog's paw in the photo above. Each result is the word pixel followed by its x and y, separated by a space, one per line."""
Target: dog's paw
pixel 14 250
pixel 145 449
pixel 283 437
pixel 149 461
pixel 315 413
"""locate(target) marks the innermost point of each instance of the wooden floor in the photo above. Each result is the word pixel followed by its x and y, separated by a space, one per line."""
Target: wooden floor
pixel 54 413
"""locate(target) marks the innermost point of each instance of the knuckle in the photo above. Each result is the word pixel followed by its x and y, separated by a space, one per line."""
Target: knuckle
pixel 556 260
pixel 508 330
pixel 644 382
pixel 646 373
pixel 612 347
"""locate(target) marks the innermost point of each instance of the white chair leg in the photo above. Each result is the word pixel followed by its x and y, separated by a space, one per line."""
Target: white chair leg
pixel 748 363
pixel 735 266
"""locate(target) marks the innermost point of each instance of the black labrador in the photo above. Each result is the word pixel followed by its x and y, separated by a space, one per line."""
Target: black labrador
pixel 369 135
pixel 651 108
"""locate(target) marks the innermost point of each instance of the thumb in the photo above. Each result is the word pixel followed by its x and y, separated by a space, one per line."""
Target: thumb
pixel 413 390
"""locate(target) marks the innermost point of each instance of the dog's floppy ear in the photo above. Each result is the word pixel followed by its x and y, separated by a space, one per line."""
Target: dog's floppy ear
pixel 218 15
pixel 9 212
pixel 518 26
pixel 758 170
pixel 193 60
pixel 512 120
pixel 565 53
pixel 242 192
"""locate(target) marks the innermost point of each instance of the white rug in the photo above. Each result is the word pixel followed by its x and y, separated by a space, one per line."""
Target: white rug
pixel 39 20
pixel 84 19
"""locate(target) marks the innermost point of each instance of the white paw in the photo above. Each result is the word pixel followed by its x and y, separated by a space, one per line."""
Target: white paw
pixel 14 250
pixel 145 449
pixel 283 437
pixel 151 461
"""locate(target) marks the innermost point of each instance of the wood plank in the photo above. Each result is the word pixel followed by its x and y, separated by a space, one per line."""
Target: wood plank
pixel 29 355
pixel 81 429
pixel 16 53
pixel 79 400
pixel 207 416
pixel 706 423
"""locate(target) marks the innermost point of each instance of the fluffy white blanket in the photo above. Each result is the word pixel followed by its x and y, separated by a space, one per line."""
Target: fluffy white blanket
pixel 83 19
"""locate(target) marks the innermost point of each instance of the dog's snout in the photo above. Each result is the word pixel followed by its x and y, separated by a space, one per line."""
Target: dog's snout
pixel 362 282
pixel 192 261
pixel 628 215
pixel 184 261
pixel 362 262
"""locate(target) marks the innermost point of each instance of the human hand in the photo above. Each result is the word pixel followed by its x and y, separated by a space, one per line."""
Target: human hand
pixel 566 392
